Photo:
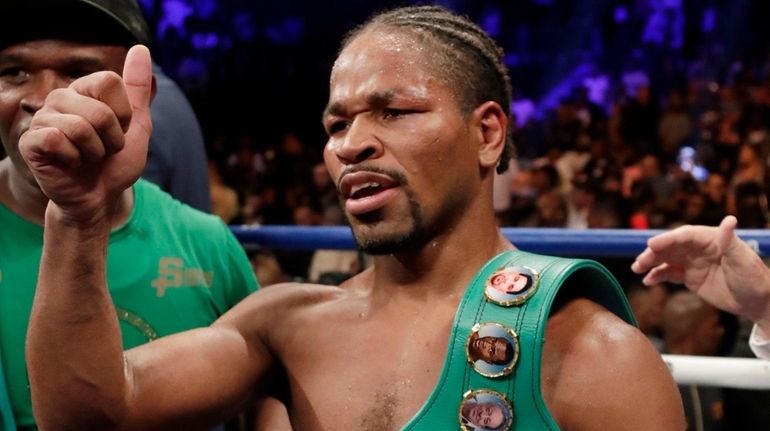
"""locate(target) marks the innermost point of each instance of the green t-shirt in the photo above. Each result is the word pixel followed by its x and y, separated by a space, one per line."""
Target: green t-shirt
pixel 169 268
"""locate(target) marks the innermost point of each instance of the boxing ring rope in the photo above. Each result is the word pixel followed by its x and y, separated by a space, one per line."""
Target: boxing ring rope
pixel 562 242
pixel 741 373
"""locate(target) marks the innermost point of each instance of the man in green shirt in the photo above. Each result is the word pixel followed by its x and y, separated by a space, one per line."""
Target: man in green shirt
pixel 170 267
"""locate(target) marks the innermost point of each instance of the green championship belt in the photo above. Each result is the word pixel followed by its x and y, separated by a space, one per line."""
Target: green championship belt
pixel 491 375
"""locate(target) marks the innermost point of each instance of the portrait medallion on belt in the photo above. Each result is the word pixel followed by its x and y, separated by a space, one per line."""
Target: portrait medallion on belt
pixel 492 349
pixel 511 285
pixel 485 410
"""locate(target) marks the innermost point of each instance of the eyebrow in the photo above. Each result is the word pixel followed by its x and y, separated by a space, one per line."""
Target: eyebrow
pixel 77 62
pixel 377 99
pixel 12 57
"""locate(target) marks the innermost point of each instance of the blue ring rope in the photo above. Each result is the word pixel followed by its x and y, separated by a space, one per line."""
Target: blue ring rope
pixel 562 242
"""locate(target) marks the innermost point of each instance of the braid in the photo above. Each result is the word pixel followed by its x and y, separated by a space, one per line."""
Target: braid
pixel 466 57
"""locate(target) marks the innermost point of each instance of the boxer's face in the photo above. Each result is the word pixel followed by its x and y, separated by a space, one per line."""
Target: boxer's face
pixel 31 70
pixel 398 145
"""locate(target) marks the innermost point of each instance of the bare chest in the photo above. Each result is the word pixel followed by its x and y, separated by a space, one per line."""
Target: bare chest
pixel 372 376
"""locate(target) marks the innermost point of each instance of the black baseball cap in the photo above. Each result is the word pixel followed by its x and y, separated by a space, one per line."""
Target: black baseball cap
pixel 106 22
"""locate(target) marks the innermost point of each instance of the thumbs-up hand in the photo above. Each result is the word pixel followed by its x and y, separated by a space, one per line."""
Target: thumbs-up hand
pixel 88 143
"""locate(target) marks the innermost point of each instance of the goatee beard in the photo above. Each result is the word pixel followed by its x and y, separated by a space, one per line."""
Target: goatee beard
pixel 414 237
pixel 411 239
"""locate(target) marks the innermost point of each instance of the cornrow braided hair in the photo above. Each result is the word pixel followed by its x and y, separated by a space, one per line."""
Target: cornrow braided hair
pixel 466 57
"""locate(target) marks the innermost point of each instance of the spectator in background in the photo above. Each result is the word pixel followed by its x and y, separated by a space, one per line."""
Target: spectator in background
pixel 750 206
pixel 551 209
pixel 675 126
pixel 296 263
pixel 715 206
pixel 267 268
pixel 545 177
pixel 645 214
pixel 324 196
pixel 750 168
pixel 639 121
pixel 290 169
pixel 583 197
pixel 245 166
pixel 224 199
pixel 176 159
pixel 332 267
pixel 573 160
pixel 647 303
pixel 691 326
pixel 653 173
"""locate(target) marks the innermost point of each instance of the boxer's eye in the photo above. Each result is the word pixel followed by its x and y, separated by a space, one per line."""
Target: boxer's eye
pixel 13 75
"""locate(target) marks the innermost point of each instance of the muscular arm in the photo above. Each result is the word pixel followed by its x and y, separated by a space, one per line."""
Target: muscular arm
pixel 86 146
pixel 601 374
pixel 80 377
pixel 73 342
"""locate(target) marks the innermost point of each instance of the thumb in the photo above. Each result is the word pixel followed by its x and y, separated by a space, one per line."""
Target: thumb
pixel 726 232
pixel 137 78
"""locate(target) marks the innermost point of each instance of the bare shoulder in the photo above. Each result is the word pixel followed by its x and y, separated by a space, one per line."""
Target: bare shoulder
pixel 280 303
pixel 285 311
pixel 601 373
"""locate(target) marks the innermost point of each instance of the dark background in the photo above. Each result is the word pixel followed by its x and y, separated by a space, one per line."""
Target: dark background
pixel 262 68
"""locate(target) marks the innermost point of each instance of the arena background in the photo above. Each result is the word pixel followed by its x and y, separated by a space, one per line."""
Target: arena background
pixel 262 67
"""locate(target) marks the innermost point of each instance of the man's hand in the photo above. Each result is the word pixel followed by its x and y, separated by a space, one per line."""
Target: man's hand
pixel 88 143
pixel 712 262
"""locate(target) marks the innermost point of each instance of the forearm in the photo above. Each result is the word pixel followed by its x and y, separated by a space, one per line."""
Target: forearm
pixel 74 350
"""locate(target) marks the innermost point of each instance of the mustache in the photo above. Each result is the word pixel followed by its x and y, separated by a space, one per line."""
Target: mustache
pixel 398 178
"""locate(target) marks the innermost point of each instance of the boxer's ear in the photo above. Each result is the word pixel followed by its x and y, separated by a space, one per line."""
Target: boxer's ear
pixel 491 124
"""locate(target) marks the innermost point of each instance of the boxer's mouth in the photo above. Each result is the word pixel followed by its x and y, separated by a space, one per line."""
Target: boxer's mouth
pixel 366 191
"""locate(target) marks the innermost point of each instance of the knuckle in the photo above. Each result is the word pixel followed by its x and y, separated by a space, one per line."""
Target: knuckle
pixel 110 83
pixel 79 130
pixel 102 117
pixel 106 79
pixel 51 140
pixel 56 96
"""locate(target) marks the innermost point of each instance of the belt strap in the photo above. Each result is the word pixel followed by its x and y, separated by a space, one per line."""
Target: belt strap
pixel 520 389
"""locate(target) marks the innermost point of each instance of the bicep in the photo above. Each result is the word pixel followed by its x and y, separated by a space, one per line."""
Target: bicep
pixel 199 377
